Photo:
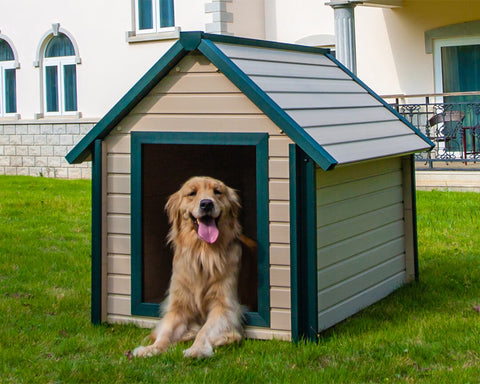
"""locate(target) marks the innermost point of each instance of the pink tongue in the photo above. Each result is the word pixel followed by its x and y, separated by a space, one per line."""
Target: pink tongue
pixel 207 230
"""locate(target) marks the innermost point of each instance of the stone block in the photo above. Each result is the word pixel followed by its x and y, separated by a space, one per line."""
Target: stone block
pixel 27 139
pixel 22 150
pixel 46 129
pixel 4 161
pixel 73 129
pixel 10 150
pixel 34 151
pixel 22 171
pixel 39 139
pixel 61 173
pixel 10 171
pixel 16 161
pixel 21 130
pixel 53 140
pixel 28 161
pixel 34 129
pixel 66 140
pixel 9 130
pixel 74 173
pixel 54 161
pixel 59 129
pixel 60 150
pixel 46 150
pixel 41 161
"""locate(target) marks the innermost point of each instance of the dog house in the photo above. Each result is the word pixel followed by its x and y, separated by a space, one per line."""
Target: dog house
pixel 324 168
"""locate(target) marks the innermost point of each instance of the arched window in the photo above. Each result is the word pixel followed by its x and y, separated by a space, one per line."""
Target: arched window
pixel 60 76
pixel 8 94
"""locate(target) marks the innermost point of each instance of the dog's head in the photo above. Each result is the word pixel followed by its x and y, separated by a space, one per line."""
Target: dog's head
pixel 205 206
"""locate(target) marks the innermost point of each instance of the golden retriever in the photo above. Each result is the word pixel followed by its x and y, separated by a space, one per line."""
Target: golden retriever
pixel 202 301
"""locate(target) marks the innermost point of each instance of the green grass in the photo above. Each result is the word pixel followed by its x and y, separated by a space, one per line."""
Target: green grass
pixel 426 332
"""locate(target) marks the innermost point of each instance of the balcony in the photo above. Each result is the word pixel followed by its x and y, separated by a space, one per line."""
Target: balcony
pixel 451 121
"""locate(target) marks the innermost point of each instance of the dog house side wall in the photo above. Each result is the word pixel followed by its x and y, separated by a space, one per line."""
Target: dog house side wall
pixel 195 97
pixel 364 236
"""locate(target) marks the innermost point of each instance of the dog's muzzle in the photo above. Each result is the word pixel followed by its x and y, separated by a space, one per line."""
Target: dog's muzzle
pixel 206 224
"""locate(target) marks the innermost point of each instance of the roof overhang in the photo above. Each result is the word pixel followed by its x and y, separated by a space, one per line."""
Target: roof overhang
pixel 371 3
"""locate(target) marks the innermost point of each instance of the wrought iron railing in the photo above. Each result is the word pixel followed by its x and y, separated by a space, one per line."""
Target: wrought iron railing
pixel 451 121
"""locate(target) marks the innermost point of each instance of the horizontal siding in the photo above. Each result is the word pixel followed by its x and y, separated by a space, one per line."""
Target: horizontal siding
pixel 360 236
pixel 280 254
pixel 323 100
pixel 178 82
pixel 288 84
pixel 119 264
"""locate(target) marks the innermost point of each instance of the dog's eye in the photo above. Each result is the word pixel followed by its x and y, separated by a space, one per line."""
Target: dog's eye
pixel 193 193
pixel 217 191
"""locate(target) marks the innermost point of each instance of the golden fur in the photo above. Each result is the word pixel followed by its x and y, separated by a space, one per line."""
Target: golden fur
pixel 202 302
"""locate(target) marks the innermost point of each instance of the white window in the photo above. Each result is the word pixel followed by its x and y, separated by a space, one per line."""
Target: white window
pixel 8 87
pixel 60 77
pixel 153 15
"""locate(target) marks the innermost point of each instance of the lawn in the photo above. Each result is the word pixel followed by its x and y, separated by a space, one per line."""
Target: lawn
pixel 426 332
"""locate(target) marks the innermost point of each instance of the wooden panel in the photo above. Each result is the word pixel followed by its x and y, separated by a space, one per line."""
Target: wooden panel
pixel 279 211
pixel 280 298
pixel 366 131
pixel 280 319
pixel 329 195
pixel 363 150
pixel 194 63
pixel 119 244
pixel 289 84
pixel 343 270
pixel 335 233
pixel 279 189
pixel 213 82
pixel 118 143
pixel 201 103
pixel 200 123
pixel 278 146
pixel 119 284
pixel 280 254
pixel 280 233
pixel 267 334
pixel 118 183
pixel 341 116
pixel 279 168
pixel 118 224
pixel 272 54
pixel 356 303
pixel 344 174
pixel 118 163
pixel 341 251
pixel 118 204
pixel 359 205
pixel 118 305
pixel 352 286
pixel 265 68
pixel 119 264
pixel 279 276
pixel 323 100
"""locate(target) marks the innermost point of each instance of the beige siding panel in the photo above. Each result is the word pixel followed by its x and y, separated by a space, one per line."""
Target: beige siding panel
pixel 264 68
pixel 333 134
pixel 278 146
pixel 267 334
pixel 341 251
pixel 213 82
pixel 347 173
pixel 119 264
pixel 118 305
pixel 118 163
pixel 279 168
pixel 358 302
pixel 341 116
pixel 194 63
pixel 142 322
pixel 118 224
pixel 280 297
pixel 119 244
pixel 280 233
pixel 118 204
pixel 329 195
pixel 196 104
pixel 280 254
pixel 118 143
pixel 279 211
pixel 359 205
pixel 279 189
pixel 279 276
pixel 281 55
pixel 335 233
pixel 200 123
pixel 280 319
pixel 288 84
pixel 119 284
pixel 343 270
pixel 118 183
pixel 323 100
pixel 348 288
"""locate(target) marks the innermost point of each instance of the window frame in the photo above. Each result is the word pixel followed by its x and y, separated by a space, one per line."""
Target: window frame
pixel 4 66
pixel 156 19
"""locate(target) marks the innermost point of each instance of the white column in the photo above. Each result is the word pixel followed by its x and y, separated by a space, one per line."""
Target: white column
pixel 345 32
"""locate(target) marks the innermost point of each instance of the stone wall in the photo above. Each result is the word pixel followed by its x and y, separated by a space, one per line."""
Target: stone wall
pixel 38 148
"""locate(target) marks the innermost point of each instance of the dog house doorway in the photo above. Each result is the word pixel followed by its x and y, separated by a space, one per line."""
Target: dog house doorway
pixel 161 163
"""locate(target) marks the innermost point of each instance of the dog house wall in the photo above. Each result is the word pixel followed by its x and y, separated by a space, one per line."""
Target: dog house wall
pixel 195 97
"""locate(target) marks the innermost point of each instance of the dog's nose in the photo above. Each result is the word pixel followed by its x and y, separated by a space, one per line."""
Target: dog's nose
pixel 206 205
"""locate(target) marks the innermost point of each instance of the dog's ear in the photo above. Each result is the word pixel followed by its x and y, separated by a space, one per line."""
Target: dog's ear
pixel 173 208
pixel 234 201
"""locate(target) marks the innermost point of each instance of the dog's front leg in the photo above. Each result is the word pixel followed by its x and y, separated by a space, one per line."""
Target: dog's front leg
pixel 171 329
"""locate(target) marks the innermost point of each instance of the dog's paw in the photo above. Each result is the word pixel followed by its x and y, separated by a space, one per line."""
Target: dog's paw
pixel 143 352
pixel 199 352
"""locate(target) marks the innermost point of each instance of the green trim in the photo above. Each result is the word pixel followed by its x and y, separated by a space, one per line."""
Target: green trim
pixel 267 105
pixel 96 294
pixel 81 151
pixel 383 102
pixel 303 243
pixel 414 217
pixel 260 318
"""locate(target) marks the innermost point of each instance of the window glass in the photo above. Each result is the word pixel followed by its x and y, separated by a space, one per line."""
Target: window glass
pixel 145 14
pixel 59 46
pixel 70 91
pixel 166 13
pixel 51 85
pixel 6 53
pixel 10 91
